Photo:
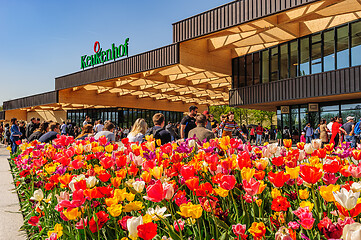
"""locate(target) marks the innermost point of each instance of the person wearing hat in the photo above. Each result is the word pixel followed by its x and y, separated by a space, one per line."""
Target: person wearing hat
pixel 348 130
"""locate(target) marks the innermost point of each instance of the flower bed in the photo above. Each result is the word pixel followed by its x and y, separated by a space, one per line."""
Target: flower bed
pixel 221 189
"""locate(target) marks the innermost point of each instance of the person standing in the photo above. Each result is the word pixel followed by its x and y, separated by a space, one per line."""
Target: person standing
pixel 324 132
pixel 188 122
pixel 214 122
pixel 220 130
pixel 259 133
pixel 348 130
pixel 209 124
pixel 1 132
pixel 22 129
pixel 138 131
pixel 329 127
pixel 63 128
pixel 86 121
pixel 252 134
pixel 201 132
pixel 317 132
pixel 335 131
pixel 54 131
pixel 309 132
pixel 158 130
pixel 279 136
pixel 108 132
pixel 30 127
pixel 229 125
pixel 15 135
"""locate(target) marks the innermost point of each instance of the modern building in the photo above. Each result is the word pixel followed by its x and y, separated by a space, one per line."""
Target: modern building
pixel 297 57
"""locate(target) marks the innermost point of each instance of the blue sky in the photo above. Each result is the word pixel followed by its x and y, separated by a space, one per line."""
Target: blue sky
pixel 41 40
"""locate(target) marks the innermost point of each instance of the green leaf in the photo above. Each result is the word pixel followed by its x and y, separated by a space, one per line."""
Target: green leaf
pixel 221 224
pixel 224 236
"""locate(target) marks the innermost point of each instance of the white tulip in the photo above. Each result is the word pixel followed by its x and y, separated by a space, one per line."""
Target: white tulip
pixel 191 143
pixel 347 199
pixel 76 179
pixel 356 187
pixel 308 148
pixel 316 143
pixel 352 232
pixel 38 195
pixel 138 186
pixel 132 225
pixel 157 212
pixel 273 147
pixel 91 181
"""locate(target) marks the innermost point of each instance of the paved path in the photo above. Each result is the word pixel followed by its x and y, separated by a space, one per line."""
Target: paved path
pixel 10 217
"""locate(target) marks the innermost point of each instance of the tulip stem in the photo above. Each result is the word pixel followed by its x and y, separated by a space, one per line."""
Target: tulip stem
pixel 235 205
pixel 316 202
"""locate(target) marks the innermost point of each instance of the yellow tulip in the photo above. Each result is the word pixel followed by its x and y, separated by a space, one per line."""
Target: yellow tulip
pixel 120 194
pixel 133 206
pixel 157 172
pixel 111 201
pixel 307 204
pixel 303 194
pixel 58 229
pixel 190 210
pixel 147 218
pixel 221 192
pixel 261 187
pixel 275 193
pixel 71 214
pixel 115 210
pixel 247 173
pixel 326 192
pixel 293 172
pixel 259 202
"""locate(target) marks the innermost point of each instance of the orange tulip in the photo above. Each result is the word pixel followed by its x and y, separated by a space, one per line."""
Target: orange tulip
pixel 356 154
pixel 300 145
pixel 287 143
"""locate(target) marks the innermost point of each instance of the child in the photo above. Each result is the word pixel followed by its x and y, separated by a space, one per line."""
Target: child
pixel 303 138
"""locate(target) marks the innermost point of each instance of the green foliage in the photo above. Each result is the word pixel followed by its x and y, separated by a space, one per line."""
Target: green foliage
pixel 244 116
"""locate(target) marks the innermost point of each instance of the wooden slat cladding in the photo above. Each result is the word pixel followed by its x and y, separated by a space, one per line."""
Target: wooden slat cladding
pixel 342 81
pixel 31 101
pixel 157 58
pixel 229 15
pixel 2 115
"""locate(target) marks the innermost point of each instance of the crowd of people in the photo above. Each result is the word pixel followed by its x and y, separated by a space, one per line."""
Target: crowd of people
pixel 202 127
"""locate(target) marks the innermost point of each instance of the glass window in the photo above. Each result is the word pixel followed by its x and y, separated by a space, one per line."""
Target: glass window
pixel 241 72
pixel 329 50
pixel 328 115
pixel 295 128
pixel 354 106
pixel 293 58
pixel 286 121
pixel 356 43
pixel 316 60
pixel 235 72
pixel 329 108
pixel 284 61
pixel 256 68
pixel 265 66
pixel 249 70
pixel 304 56
pixel 342 47
pixel 274 64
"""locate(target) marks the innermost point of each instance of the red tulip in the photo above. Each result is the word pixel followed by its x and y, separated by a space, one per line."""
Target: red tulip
pixel 228 182
pixel 193 183
pixel 278 161
pixel 321 153
pixel 106 162
pixel 102 218
pixel 204 189
pixel 331 166
pixel 155 192
pixel 147 231
pixel 104 177
pixel 301 145
pixel 244 160
pixel 356 154
pixel 187 171
pixel 34 221
pixel 310 174
pixel 278 179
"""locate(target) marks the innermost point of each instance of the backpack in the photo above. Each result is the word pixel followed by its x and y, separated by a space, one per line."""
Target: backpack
pixel 357 129
pixel 154 132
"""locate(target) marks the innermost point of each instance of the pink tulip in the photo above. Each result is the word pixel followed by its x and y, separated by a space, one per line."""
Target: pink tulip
pixel 179 224
pixel 355 170
pixel 239 229
pixel 251 187
pixel 329 178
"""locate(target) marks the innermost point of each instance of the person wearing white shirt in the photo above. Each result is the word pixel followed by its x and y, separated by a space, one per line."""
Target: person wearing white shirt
pixel 329 126
pixel 99 127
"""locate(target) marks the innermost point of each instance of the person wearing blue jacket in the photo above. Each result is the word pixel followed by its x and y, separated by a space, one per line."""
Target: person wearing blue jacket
pixel 15 135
